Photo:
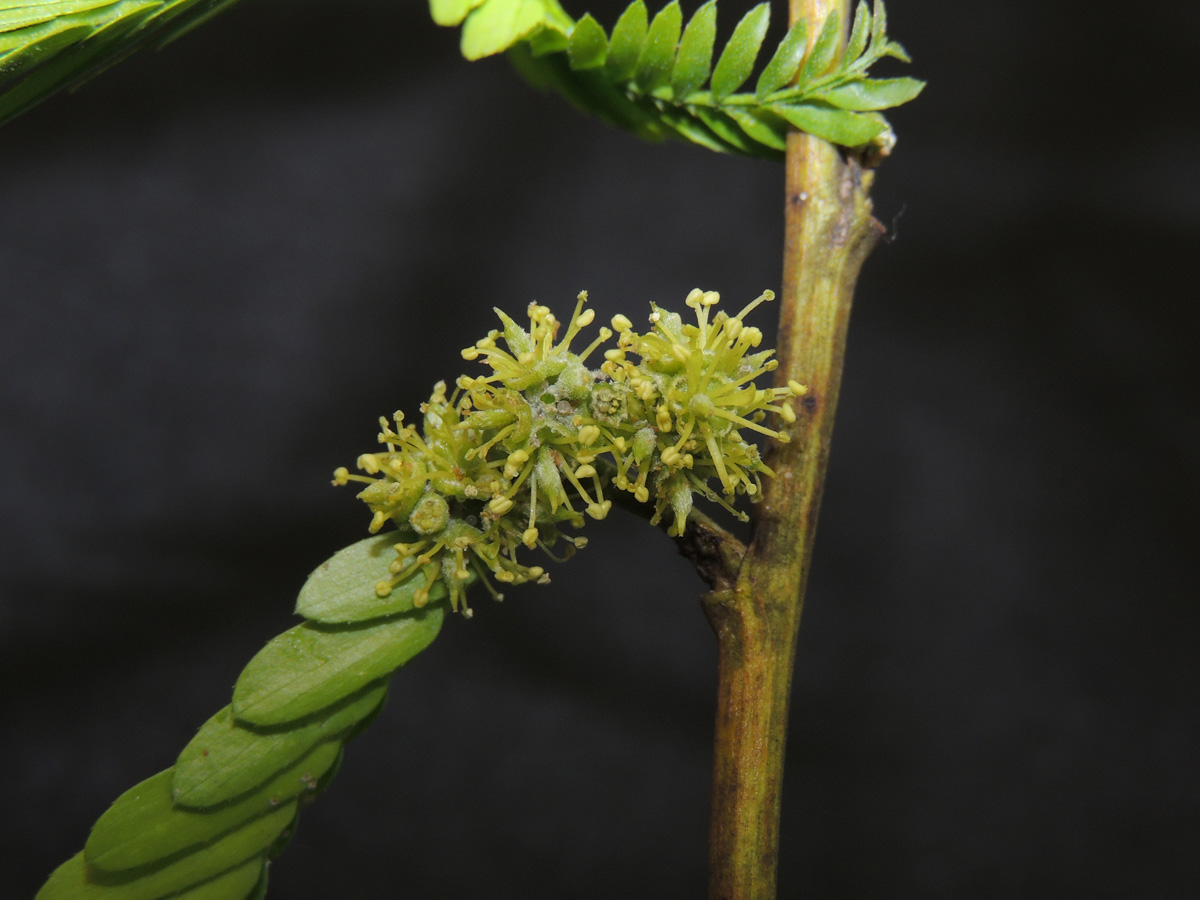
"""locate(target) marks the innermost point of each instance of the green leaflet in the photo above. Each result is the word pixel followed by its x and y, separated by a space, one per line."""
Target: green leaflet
pixel 625 45
pixel 451 12
pixel 859 33
pixel 498 24
pixel 342 589
pixel 225 760
pixel 694 61
pixel 658 54
pixel 649 78
pixel 837 126
pixel 588 46
pixel 311 666
pixel 240 849
pixel 65 43
pixel 872 94
pixel 144 825
pixel 69 882
pixel 786 62
pixel 737 59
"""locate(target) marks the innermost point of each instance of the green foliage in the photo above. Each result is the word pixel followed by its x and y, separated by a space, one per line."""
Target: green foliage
pixel 48 45
pixel 648 76
pixel 206 828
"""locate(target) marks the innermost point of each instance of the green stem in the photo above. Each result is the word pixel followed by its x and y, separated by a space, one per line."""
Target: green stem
pixel 755 608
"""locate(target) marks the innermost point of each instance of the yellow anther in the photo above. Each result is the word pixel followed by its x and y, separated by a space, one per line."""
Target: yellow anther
pixel 641 494
pixel 621 324
pixel 797 388
pixel 585 471
pixel 599 510
pixel 616 354
pixel 529 537
pixel 383 588
pixel 733 328
pixel 588 435
pixel 377 521
pixel 663 419
pixel 500 505
pixel 506 576
pixel 341 475
pixel 586 318
pixel 694 298
pixel 670 456
pixel 461 575
pixel 536 572
pixel 470 353
pixel 789 414
pixel 711 298
pixel 579 542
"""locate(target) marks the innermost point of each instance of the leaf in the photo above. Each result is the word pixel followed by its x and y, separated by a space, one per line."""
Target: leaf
pixel 497 25
pixel 658 53
pixel 879 25
pixel 311 666
pixel 144 825
pixel 73 880
pixel 225 760
pixel 859 33
pixel 765 128
pixel 824 50
pixel 588 46
pixel 694 61
pixel 451 12
pixel 871 94
pixel 838 126
pixel 342 589
pixel 720 124
pixel 786 61
pixel 737 59
pixel 625 45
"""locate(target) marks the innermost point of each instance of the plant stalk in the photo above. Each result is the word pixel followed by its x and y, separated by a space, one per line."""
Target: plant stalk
pixel 755 608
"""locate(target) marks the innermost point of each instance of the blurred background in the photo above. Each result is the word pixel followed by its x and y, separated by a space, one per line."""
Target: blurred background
pixel 220 263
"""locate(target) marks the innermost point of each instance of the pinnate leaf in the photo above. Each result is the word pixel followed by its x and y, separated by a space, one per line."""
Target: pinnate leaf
pixel 628 38
pixel 658 54
pixel 312 666
pixel 694 61
pixel 225 760
pixel 784 64
pixel 737 59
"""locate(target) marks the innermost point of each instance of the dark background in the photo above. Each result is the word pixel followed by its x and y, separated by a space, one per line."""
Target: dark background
pixel 219 264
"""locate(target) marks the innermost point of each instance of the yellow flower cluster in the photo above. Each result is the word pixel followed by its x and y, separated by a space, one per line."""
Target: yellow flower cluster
pixel 507 458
